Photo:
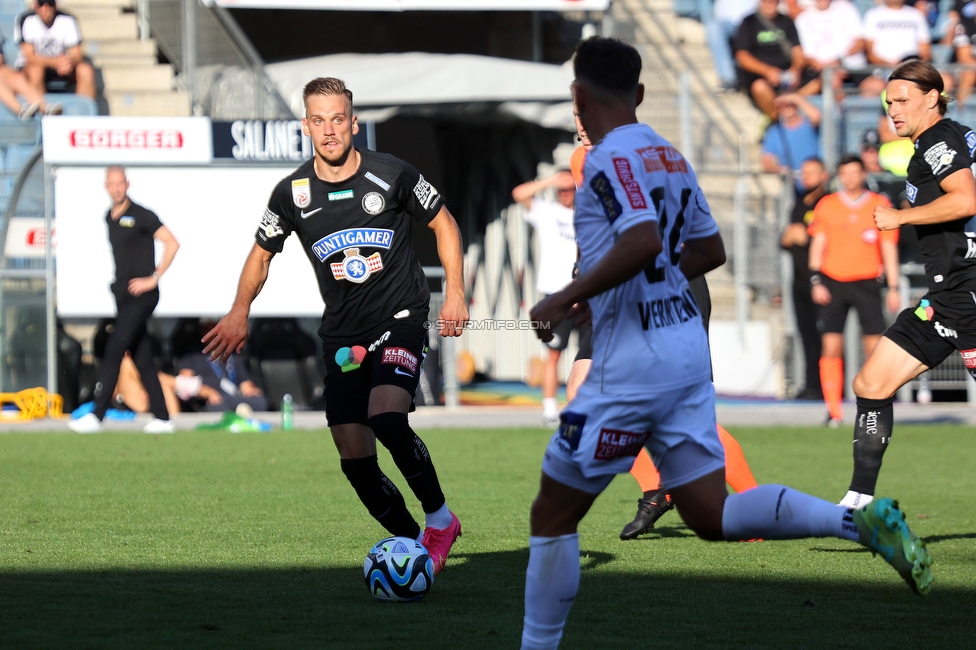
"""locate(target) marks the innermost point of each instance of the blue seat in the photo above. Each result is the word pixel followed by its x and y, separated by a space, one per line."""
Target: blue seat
pixel 72 104
pixel 19 132
pixel 11 6
pixel 17 156
pixel 858 114
pixel 965 115
pixel 8 19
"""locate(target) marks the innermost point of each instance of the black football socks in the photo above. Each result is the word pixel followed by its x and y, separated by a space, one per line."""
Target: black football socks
pixel 872 433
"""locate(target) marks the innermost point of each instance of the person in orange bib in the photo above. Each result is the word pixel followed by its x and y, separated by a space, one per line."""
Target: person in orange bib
pixel 849 257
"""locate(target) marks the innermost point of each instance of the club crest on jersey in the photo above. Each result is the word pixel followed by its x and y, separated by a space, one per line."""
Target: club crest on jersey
pixel 127 222
pixel 270 224
pixel 910 192
pixel 356 268
pixel 373 203
pixel 971 141
pixel 601 186
pixel 343 239
pixel 939 156
pixel 301 192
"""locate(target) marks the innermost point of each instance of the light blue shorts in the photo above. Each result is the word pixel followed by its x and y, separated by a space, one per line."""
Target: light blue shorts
pixel 600 435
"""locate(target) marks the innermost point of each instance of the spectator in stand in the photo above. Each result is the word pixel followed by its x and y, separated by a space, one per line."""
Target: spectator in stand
pixel 793 139
pixel 961 32
pixel 770 59
pixel 831 36
pixel 796 241
pixel 848 258
pixel 719 30
pixel 50 49
pixel 553 223
pixel 14 83
pixel 893 33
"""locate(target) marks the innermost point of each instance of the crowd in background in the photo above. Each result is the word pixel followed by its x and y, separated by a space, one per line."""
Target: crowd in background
pixel 776 51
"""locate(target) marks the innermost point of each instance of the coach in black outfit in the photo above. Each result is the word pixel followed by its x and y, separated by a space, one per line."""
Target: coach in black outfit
pixel 132 230
pixel 353 211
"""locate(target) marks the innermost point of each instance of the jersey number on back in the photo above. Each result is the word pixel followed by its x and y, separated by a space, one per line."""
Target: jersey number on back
pixel 670 232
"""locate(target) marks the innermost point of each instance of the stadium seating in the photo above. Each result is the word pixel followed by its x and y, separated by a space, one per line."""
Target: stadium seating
pixel 72 104
pixel 858 114
pixel 283 360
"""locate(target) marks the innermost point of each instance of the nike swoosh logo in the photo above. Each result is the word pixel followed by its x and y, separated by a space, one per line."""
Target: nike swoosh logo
pixel 400 372
pixel 306 215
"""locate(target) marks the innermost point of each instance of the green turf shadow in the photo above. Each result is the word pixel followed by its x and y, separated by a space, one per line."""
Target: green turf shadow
pixel 476 603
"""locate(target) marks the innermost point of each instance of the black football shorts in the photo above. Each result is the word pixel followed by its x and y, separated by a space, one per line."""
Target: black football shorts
pixel 862 295
pixel 392 355
pixel 940 323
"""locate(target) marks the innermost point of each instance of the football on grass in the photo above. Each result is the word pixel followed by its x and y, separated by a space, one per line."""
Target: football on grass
pixel 398 570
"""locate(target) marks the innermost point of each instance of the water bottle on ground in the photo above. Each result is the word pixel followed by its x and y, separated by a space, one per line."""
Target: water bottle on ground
pixel 286 412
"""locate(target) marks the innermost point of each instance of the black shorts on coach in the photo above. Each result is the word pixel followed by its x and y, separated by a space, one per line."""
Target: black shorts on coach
pixel 862 295
pixel 393 354
pixel 940 323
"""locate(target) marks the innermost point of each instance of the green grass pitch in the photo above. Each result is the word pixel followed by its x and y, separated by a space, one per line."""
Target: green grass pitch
pixel 216 540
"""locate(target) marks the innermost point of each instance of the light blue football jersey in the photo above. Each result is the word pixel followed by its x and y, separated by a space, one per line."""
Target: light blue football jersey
pixel 648 331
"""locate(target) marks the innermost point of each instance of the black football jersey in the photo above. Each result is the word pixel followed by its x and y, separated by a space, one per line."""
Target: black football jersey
pixel 948 249
pixel 131 237
pixel 357 236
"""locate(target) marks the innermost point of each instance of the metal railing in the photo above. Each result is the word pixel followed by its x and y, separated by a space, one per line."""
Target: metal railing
pixel 216 63
pixel 26 285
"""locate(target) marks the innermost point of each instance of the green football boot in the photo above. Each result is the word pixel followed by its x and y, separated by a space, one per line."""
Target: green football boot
pixel 882 529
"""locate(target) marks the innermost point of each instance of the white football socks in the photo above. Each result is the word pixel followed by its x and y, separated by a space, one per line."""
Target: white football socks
pixel 440 518
pixel 550 407
pixel 551 582
pixel 856 500
pixel 780 512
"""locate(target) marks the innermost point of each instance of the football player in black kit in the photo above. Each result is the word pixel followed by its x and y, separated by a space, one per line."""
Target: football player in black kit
pixel 942 193
pixel 131 231
pixel 353 211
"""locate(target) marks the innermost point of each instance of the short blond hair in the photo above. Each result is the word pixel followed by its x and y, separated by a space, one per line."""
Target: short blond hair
pixel 326 86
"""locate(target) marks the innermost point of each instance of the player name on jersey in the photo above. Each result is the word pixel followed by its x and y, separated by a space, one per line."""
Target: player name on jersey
pixel 664 312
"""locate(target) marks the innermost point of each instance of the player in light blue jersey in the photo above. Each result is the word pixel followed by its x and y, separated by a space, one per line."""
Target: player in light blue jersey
pixel 644 227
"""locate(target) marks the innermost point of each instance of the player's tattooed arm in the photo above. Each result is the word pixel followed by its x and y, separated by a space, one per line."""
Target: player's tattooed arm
pixel 230 334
